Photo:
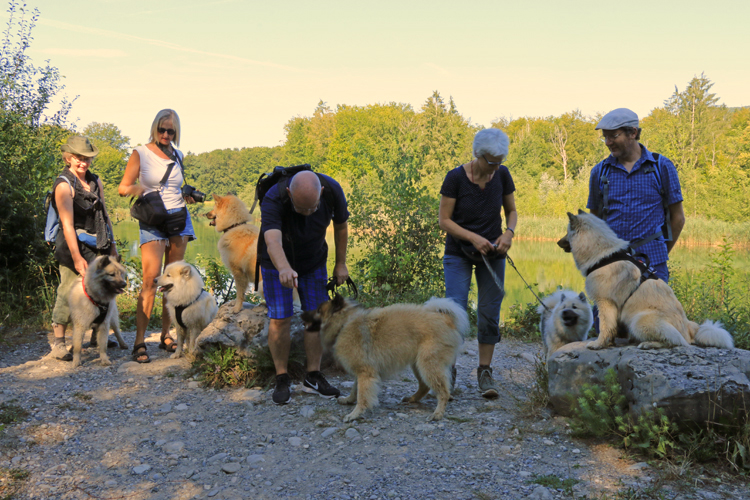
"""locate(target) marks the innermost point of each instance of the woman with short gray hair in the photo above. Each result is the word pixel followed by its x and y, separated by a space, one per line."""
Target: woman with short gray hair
pixel 474 197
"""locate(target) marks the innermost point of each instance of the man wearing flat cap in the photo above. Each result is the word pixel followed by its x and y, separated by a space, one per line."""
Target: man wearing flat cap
pixel 637 192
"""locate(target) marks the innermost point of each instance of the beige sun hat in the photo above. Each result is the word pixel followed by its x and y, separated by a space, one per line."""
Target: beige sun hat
pixel 79 145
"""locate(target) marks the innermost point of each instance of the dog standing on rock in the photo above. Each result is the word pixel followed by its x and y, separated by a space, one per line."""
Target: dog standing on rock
pixel 628 296
pixel 92 303
pixel 191 307
pixel 238 244
pixel 373 344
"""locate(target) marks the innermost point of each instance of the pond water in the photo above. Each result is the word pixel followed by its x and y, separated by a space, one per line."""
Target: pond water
pixel 541 263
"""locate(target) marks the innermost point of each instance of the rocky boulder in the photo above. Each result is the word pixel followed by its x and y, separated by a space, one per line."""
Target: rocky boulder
pixel 246 329
pixel 688 383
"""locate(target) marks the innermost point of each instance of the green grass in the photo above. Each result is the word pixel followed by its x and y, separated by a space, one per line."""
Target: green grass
pixel 554 482
pixel 11 413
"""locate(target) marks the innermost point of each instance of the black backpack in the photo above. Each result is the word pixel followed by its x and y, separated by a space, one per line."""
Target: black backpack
pixel 281 176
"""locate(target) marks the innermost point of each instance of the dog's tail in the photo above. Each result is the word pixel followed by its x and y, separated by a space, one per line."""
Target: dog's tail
pixel 451 308
pixel 711 334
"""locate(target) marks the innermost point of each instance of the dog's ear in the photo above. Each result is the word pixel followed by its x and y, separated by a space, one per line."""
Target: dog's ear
pixel 562 298
pixel 216 197
pixel 103 262
pixel 186 271
pixel 582 296
pixel 338 303
pixel 118 258
pixel 564 243
pixel 581 211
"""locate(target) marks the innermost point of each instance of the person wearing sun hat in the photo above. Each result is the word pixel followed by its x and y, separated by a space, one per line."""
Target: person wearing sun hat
pixel 637 192
pixel 86 228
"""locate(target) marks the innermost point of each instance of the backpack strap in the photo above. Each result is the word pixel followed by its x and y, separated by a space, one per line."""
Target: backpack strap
pixel 604 207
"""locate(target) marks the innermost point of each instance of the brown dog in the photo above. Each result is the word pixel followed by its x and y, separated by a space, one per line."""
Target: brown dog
pixel 239 243
pixel 372 344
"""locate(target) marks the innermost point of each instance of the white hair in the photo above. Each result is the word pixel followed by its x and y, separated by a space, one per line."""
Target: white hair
pixel 491 141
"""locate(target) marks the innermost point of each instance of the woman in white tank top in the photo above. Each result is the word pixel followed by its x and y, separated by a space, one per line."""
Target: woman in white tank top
pixel 147 165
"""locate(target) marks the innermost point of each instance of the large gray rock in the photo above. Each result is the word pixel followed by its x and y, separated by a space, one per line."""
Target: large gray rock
pixel 688 383
pixel 246 329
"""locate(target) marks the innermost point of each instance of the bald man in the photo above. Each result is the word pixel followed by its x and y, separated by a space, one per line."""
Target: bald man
pixel 293 253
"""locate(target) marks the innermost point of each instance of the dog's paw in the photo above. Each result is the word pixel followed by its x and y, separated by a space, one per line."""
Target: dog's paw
pixel 175 355
pixel 345 400
pixel 124 346
pixel 105 361
pixel 435 416
pixel 596 346
pixel 352 416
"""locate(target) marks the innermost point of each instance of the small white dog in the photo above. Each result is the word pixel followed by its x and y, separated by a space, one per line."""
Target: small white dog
pixel 190 306
pixel 566 318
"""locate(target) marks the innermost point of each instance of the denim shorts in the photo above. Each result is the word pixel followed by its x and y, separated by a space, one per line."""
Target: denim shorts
pixel 152 233
pixel 279 299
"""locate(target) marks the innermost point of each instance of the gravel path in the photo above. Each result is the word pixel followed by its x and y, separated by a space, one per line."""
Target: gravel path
pixel 134 431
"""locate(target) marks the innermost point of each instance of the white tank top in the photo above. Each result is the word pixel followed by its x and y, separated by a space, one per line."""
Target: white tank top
pixel 153 168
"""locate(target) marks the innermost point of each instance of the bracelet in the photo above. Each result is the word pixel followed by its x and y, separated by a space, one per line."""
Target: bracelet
pixel 509 229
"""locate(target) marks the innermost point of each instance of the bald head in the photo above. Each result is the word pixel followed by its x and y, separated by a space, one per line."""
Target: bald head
pixel 305 191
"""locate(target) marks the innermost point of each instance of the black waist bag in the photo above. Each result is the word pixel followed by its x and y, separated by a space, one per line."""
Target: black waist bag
pixel 176 222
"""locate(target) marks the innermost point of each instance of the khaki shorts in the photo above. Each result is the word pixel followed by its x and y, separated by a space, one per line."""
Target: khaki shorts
pixel 61 312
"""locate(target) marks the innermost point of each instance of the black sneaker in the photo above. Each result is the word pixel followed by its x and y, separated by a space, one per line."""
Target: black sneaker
pixel 282 393
pixel 316 382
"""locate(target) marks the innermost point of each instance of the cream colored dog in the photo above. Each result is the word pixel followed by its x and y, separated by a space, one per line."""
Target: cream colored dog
pixel 649 311
pixel 191 307
pixel 373 344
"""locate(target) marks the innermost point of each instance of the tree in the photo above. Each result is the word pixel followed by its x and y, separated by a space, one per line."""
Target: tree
pixel 30 139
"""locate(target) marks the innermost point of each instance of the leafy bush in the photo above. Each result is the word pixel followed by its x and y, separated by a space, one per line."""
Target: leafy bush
pixel 395 223
pixel 217 279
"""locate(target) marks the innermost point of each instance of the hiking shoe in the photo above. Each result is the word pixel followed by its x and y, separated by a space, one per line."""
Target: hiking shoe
pixel 282 393
pixel 59 351
pixel 317 383
pixel 487 386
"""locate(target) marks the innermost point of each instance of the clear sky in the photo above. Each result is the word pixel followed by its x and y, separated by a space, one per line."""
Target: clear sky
pixel 237 70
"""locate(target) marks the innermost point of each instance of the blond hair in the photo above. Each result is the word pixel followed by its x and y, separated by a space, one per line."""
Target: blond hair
pixel 160 117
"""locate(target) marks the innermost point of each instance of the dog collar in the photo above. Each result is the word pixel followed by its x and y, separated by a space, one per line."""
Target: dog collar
pixel 232 227
pixel 103 308
pixel 179 309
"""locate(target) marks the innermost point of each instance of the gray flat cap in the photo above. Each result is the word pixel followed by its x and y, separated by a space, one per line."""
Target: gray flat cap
pixel 618 118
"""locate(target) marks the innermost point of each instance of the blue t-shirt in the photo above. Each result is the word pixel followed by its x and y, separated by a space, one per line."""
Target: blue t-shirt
pixel 477 210
pixel 635 206
pixel 303 237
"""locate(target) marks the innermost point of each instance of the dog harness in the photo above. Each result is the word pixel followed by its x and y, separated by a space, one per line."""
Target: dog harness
pixel 103 309
pixel 179 309
pixel 647 272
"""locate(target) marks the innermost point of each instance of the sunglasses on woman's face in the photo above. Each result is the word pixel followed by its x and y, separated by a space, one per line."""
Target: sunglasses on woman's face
pixel 169 131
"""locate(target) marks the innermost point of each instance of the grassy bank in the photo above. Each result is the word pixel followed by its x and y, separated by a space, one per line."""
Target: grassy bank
pixel 697 232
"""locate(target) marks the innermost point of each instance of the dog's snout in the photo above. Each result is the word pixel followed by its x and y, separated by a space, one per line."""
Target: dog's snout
pixel 569 317
pixel 156 280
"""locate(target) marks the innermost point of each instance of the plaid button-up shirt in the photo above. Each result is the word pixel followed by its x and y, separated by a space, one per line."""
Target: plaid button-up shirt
pixel 635 205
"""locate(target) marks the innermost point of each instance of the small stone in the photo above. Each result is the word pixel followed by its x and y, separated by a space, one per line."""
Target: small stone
pixel 217 457
pixel 375 433
pixel 638 466
pixel 524 473
pixel 506 449
pixel 173 447
pixel 548 442
pixel 326 433
pixel 141 469
pixel 110 483
pixel 351 433
pixel 540 493
pixel 213 493
pixel 254 460
pixel 181 407
pixel 424 428
pixel 307 411
pixel 401 415
pixel 295 441
pixel 252 395
pixel 165 408
pixel 575 451
pixel 231 467
pixel 194 385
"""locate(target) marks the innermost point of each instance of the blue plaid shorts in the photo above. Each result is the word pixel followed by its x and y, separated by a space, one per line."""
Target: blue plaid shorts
pixel 311 288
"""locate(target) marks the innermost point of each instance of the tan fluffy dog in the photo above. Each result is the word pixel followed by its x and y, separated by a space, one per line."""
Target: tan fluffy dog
pixel 649 311
pixel 373 344
pixel 92 300
pixel 238 244
pixel 190 306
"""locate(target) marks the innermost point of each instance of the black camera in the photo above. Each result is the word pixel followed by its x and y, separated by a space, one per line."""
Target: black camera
pixel 188 190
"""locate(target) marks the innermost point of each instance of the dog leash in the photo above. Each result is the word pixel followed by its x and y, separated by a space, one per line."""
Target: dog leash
pixel 513 265
pixel 332 285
